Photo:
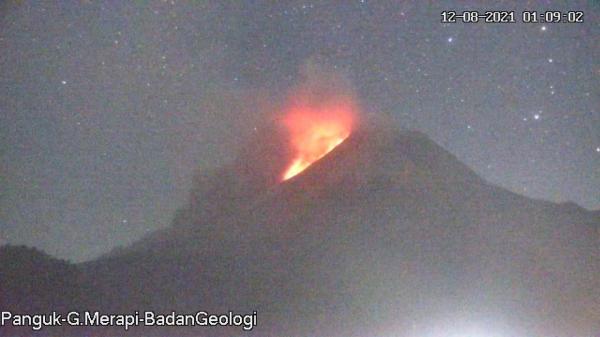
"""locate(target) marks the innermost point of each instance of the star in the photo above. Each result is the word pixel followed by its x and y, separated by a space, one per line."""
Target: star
pixel 450 39
pixel 543 28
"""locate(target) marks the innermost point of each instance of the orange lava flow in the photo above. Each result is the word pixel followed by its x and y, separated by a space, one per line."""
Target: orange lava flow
pixel 315 130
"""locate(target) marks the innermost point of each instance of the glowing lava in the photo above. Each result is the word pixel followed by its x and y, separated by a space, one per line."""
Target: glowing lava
pixel 316 129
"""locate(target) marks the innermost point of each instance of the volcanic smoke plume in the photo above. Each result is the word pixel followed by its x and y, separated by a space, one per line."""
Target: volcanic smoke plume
pixel 319 115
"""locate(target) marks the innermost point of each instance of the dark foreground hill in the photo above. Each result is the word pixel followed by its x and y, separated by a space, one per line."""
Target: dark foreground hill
pixel 388 235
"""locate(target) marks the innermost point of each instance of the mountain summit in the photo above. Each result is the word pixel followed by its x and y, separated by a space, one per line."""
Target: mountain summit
pixel 386 234
pixel 374 160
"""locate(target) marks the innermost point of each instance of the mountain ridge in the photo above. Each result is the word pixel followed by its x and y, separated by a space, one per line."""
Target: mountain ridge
pixel 415 154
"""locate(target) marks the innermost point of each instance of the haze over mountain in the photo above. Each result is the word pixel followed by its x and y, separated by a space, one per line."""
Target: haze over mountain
pixel 388 234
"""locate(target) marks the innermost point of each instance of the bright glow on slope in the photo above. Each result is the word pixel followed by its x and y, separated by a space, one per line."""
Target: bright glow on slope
pixel 315 130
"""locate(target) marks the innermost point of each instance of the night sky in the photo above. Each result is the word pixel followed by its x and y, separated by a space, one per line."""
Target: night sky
pixel 107 109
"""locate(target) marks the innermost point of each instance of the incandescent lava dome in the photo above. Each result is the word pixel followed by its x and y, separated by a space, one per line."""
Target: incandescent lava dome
pixel 316 123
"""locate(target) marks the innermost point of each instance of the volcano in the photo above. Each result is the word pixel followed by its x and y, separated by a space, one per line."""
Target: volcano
pixel 387 234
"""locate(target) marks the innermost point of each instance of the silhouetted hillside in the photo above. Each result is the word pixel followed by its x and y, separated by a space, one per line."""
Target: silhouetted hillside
pixel 31 280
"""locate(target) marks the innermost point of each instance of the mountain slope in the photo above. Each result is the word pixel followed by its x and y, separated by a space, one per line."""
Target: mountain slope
pixel 389 234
